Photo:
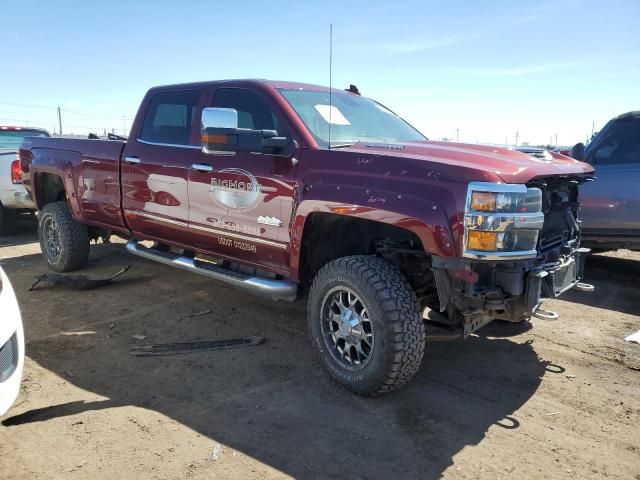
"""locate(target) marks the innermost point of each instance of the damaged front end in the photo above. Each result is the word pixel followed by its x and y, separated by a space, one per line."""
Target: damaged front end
pixel 521 245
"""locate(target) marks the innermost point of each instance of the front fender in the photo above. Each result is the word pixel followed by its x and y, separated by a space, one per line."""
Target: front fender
pixel 423 217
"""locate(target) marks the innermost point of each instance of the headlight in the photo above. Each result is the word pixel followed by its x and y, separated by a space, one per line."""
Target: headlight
pixel 529 201
pixel 502 220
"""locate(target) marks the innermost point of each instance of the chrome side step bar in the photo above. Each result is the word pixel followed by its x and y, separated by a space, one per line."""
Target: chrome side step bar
pixel 267 287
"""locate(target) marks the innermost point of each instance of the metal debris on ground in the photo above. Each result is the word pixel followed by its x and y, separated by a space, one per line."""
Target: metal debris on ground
pixel 196 314
pixel 634 337
pixel 76 282
pixel 190 347
pixel 215 454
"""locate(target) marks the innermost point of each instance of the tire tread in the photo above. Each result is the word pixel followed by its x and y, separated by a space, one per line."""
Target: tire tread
pixel 401 314
pixel 75 239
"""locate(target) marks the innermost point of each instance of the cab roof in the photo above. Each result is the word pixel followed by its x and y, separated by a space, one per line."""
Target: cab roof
pixel 249 82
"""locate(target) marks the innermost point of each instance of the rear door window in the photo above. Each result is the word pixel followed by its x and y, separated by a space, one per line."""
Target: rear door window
pixel 170 118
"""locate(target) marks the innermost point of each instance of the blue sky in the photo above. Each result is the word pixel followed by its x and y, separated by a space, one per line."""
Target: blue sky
pixel 486 68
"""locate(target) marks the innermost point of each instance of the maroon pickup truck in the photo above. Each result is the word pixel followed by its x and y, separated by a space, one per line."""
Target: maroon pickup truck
pixel 291 190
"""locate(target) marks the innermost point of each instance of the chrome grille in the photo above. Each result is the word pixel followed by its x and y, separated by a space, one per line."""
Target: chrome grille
pixel 8 358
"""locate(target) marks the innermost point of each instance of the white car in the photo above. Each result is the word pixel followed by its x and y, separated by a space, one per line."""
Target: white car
pixel 14 199
pixel 11 345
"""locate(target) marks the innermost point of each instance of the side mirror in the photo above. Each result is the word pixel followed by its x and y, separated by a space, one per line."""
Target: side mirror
pixel 220 133
pixel 577 152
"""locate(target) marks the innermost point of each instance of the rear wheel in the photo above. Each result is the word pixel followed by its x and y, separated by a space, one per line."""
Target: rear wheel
pixel 365 325
pixel 64 241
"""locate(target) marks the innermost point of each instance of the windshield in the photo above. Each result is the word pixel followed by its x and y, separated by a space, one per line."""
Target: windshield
pixel 352 118
pixel 13 138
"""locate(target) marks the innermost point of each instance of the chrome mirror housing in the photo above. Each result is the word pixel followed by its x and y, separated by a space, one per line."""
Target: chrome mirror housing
pixel 213 117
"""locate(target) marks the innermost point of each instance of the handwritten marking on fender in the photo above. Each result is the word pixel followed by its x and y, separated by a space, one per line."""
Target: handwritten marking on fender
pixel 376 200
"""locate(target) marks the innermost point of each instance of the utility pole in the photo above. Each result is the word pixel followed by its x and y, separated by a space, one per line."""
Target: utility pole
pixel 59 122
pixel 124 126
pixel 517 136
pixel 556 139
pixel 457 134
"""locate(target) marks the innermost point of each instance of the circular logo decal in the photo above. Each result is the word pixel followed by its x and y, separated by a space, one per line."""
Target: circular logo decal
pixel 235 188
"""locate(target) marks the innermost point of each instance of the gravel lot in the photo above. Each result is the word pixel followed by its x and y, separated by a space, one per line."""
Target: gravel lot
pixel 560 400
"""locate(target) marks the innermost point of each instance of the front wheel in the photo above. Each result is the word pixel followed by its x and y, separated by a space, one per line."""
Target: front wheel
pixel 365 325
pixel 64 241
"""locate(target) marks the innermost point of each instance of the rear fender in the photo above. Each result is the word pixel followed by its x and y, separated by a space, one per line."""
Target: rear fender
pixel 60 163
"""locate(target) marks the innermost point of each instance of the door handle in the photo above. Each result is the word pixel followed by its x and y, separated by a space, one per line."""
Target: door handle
pixel 132 160
pixel 202 167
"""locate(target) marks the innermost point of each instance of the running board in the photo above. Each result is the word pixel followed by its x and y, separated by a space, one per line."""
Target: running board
pixel 267 287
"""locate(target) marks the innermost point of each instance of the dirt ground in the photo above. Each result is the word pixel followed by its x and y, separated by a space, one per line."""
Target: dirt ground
pixel 559 400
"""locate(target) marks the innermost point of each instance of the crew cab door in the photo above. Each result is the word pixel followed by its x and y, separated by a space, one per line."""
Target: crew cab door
pixel 611 204
pixel 241 204
pixel 155 166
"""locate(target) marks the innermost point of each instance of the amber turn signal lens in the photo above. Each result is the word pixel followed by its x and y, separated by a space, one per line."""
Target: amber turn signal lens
pixel 483 202
pixel 482 241
pixel 214 139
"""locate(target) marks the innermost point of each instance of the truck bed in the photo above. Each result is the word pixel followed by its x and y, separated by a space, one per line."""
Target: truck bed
pixel 91 173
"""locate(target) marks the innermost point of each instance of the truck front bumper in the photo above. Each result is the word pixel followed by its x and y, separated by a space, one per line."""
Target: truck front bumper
pixel 478 292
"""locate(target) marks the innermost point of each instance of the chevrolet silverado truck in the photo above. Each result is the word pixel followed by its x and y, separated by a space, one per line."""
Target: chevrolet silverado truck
pixel 14 199
pixel 292 191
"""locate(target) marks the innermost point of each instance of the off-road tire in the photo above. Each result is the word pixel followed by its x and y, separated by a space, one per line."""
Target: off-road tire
pixel 74 239
pixel 7 221
pixel 399 332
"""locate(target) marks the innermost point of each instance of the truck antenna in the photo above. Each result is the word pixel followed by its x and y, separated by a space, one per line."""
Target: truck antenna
pixel 330 84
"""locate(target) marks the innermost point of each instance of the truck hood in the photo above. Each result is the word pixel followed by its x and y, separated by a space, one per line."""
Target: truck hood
pixel 509 165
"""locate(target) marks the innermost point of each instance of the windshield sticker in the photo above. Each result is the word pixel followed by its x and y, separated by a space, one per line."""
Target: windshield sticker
pixel 331 114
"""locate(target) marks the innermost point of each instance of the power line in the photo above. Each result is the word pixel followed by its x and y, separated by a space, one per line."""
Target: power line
pixel 97 115
pixel 52 122
pixel 22 120
pixel 26 106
